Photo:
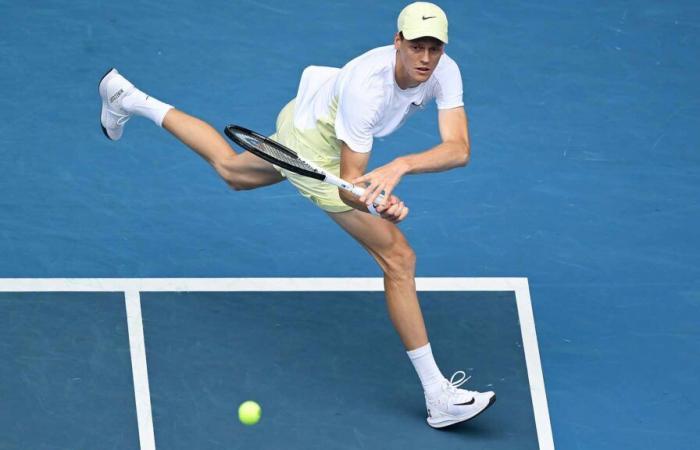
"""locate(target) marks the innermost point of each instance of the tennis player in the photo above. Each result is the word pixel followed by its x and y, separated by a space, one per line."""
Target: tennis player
pixel 332 122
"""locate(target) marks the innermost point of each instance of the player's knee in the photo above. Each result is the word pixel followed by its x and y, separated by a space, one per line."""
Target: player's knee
pixel 233 181
pixel 236 184
pixel 227 171
pixel 400 262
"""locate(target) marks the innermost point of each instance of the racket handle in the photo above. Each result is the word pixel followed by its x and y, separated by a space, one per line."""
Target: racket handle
pixel 358 191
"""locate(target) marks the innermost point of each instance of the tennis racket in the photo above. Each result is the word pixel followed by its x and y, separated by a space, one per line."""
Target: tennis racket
pixel 282 156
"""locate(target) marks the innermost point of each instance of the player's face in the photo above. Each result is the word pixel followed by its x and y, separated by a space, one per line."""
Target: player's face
pixel 417 59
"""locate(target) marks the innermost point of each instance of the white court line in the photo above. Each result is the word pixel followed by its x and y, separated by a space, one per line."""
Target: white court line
pixel 132 286
pixel 534 365
pixel 142 393
pixel 245 284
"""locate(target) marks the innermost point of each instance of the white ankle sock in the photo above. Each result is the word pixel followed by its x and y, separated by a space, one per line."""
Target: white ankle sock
pixel 136 102
pixel 430 376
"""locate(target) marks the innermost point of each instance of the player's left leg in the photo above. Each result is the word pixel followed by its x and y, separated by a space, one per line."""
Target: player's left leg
pixel 121 100
pixel 241 171
pixel 445 402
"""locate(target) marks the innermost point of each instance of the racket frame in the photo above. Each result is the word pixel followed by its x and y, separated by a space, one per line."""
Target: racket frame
pixel 316 172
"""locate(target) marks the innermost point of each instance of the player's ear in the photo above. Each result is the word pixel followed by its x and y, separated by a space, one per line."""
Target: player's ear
pixel 398 37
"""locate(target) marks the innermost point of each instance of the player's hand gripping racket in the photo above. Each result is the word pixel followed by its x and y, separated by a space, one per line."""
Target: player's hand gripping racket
pixel 282 156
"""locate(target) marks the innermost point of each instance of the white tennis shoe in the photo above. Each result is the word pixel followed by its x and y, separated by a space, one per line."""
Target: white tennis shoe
pixel 452 405
pixel 113 88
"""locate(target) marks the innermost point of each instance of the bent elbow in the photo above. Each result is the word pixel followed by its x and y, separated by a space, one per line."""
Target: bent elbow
pixel 464 156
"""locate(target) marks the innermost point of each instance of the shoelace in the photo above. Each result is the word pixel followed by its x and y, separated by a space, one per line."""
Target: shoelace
pixel 121 118
pixel 454 384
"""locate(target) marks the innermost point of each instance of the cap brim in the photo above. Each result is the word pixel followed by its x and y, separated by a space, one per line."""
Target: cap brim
pixel 416 33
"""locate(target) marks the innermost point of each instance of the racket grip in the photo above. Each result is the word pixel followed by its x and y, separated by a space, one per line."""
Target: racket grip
pixel 358 191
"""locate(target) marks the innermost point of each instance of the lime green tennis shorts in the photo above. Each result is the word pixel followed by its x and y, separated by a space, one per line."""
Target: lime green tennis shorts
pixel 317 146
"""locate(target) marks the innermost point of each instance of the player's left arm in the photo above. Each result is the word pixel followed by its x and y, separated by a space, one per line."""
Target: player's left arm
pixel 452 152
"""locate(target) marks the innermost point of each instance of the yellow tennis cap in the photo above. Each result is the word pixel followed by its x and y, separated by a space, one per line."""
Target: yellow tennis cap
pixel 421 19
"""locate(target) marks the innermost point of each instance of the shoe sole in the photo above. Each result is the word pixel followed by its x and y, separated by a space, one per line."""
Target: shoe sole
pixel 447 423
pixel 104 130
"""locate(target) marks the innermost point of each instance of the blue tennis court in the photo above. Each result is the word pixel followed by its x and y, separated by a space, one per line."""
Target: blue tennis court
pixel 583 184
pixel 177 355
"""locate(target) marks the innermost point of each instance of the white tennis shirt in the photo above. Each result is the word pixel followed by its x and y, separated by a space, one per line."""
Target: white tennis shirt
pixel 363 101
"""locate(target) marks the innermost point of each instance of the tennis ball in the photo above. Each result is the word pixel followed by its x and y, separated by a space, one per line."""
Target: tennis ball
pixel 249 413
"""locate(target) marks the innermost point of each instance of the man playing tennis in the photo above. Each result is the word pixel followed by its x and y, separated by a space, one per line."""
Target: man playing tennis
pixel 331 123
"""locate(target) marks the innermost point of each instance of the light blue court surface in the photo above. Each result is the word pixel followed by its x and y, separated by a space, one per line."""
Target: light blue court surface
pixel 584 178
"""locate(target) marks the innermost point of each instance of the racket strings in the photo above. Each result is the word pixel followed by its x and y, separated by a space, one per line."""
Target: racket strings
pixel 275 152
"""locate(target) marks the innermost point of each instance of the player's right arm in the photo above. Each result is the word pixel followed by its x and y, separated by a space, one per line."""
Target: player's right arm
pixel 353 165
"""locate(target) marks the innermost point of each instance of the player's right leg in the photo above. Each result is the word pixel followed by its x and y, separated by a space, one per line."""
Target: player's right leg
pixel 121 100
pixel 446 403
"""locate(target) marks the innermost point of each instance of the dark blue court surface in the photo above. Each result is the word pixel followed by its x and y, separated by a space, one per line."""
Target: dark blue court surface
pixel 328 370
pixel 65 372
pixel 584 178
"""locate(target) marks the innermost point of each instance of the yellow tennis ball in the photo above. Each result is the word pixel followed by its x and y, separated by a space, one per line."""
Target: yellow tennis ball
pixel 249 413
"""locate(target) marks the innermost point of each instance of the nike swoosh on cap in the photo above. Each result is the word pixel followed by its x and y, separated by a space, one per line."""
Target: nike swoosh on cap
pixel 429 17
